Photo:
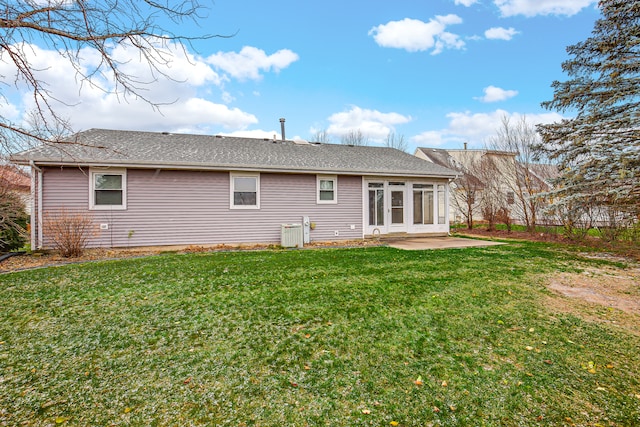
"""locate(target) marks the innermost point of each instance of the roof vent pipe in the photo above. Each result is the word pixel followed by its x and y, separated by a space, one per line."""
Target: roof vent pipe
pixel 465 145
pixel 282 128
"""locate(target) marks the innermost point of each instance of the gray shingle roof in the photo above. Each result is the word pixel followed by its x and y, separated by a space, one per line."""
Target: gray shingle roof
pixel 167 150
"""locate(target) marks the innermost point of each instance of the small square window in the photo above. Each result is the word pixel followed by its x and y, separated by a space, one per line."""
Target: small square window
pixel 108 189
pixel 245 191
pixel 327 189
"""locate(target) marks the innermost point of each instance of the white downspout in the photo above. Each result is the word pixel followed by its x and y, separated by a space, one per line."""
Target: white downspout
pixel 38 212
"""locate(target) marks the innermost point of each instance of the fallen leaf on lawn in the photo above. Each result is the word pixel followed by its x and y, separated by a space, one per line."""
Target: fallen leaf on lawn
pixel 394 423
pixel 293 384
pixel 307 367
pixel 601 389
pixel 590 367
pixel 528 348
pixel 127 410
pixel 418 381
pixel 609 365
pixel 548 362
pixel 452 408
pixel 366 411
pixel 444 384
pixel 436 409
pixel 307 335
pixel 61 420
pixel 187 381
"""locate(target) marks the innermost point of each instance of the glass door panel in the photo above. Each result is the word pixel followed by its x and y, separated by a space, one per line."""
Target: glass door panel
pixel 397 207
pixel 376 204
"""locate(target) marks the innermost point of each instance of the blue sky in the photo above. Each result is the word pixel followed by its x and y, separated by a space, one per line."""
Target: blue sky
pixel 436 72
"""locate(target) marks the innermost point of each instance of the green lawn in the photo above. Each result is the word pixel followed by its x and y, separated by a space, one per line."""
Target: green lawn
pixel 338 337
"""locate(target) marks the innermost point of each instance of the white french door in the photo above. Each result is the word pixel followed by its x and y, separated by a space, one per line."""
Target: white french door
pixel 386 210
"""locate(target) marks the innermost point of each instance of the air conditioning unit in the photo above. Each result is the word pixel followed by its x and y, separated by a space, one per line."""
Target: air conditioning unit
pixel 291 236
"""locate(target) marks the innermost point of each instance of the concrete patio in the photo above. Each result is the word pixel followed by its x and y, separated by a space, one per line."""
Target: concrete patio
pixel 423 243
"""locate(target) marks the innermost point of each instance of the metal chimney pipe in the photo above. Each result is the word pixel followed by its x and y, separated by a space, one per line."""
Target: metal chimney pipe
pixel 282 128
pixel 465 145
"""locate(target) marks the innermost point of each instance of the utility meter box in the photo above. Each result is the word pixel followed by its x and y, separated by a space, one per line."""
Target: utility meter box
pixel 306 229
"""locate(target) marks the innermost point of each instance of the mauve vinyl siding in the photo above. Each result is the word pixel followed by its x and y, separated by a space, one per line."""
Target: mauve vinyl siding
pixel 192 208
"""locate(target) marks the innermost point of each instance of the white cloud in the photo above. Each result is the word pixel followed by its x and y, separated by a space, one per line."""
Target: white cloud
pixel 195 115
pixel 175 86
pixel 414 35
pixel 9 110
pixel 541 7
pixel 495 94
pixel 372 123
pixel 499 33
pixel 466 3
pixel 430 138
pixel 475 128
pixel 250 62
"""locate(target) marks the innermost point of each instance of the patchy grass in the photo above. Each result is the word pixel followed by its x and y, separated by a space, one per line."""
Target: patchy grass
pixel 369 336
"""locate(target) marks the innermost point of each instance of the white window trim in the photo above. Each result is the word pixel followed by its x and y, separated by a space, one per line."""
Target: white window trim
pixel 333 178
pixel 233 175
pixel 92 193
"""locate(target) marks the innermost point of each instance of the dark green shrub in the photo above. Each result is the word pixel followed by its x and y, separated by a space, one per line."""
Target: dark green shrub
pixel 13 222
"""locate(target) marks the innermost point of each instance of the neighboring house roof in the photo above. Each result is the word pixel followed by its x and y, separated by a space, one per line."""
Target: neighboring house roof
pixel 459 160
pixel 444 158
pixel 14 179
pixel 101 147
pixel 438 156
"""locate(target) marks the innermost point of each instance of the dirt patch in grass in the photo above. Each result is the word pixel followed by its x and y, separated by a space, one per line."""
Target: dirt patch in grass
pixel 599 294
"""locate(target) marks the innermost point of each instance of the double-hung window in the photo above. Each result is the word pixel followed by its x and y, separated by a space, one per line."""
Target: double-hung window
pixel 245 191
pixel 327 189
pixel 108 189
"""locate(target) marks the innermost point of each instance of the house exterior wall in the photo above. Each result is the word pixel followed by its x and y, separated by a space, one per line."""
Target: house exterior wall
pixel 174 207
pixel 497 173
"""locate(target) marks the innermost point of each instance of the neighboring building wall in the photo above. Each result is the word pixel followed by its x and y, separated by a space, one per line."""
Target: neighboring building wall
pixel 167 207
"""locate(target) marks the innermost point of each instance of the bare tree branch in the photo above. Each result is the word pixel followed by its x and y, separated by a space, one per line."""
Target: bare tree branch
pixel 71 27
